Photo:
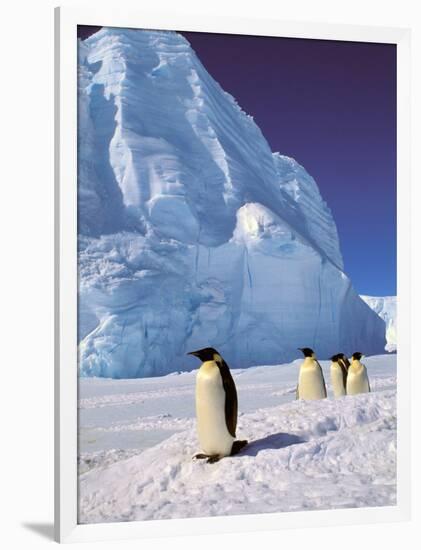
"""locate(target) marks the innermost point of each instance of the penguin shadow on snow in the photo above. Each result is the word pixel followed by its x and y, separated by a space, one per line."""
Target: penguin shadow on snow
pixel 274 441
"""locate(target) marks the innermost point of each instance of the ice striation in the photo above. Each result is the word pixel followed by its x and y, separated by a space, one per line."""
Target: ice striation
pixel 191 231
pixel 385 307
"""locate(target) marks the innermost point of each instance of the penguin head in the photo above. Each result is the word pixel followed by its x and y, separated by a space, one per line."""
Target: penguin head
pixel 335 358
pixel 357 356
pixel 206 354
pixel 307 352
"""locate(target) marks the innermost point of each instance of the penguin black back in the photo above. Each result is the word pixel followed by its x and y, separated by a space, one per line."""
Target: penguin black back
pixel 344 359
pixel 343 362
pixel 231 400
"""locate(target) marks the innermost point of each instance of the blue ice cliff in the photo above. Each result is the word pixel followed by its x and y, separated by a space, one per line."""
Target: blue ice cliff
pixel 191 231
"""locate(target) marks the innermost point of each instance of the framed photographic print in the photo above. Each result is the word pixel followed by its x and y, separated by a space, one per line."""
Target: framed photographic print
pixel 232 248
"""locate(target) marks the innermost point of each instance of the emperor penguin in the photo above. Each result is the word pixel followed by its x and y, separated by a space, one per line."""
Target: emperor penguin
pixel 216 407
pixel 338 375
pixel 311 383
pixel 357 381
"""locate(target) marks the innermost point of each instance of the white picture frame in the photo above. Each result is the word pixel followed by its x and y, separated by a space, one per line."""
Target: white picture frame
pixel 66 21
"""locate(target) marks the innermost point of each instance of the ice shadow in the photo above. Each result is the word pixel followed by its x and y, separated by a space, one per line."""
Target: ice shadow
pixel 45 530
pixel 274 441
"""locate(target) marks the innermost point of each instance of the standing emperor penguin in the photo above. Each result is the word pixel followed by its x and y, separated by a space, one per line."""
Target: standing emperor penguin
pixel 357 381
pixel 216 407
pixel 338 375
pixel 311 383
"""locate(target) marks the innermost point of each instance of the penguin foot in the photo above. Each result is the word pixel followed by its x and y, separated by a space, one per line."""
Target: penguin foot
pixel 212 459
pixel 237 446
pixel 201 456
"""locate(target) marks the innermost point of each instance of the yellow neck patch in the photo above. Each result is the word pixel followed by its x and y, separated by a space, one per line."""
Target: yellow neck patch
pixel 217 358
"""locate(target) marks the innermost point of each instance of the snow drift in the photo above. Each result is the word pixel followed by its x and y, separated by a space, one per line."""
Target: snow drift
pixel 191 231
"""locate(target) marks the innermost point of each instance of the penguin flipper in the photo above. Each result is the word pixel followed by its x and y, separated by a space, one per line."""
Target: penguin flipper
pixel 344 371
pixel 231 400
pixel 323 379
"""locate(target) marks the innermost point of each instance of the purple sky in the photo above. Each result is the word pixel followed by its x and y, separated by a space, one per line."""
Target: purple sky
pixel 332 106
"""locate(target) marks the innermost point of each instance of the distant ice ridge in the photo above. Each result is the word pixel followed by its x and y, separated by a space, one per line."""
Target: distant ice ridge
pixel 191 231
pixel 385 307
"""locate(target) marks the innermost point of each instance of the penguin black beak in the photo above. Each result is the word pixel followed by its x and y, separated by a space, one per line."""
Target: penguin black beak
pixel 195 353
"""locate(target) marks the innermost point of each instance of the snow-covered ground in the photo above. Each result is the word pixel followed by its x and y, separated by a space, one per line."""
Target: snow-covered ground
pixel 137 439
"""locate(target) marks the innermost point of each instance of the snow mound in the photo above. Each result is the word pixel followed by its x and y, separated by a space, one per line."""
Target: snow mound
pixel 302 455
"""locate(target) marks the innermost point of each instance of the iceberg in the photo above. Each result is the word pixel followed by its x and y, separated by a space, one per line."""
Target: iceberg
pixel 385 307
pixel 191 231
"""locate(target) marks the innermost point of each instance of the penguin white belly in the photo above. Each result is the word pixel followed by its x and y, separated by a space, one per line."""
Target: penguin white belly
pixel 310 382
pixel 214 436
pixel 357 381
pixel 337 379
